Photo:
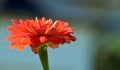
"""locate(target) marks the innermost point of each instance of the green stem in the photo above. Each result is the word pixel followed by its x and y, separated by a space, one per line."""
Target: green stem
pixel 43 55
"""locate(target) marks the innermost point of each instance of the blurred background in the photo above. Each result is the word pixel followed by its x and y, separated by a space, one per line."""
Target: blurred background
pixel 96 25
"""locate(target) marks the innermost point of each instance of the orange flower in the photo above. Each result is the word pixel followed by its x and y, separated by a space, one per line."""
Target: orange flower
pixel 34 33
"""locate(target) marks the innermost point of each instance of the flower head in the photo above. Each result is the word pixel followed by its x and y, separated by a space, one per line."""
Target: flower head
pixel 33 33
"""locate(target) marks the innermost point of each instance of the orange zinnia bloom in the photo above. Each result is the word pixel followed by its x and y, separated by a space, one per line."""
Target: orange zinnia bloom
pixel 37 32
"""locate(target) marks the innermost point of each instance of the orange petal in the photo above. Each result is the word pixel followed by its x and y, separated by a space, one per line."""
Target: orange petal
pixel 12 46
pixel 43 39
pixel 52 45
